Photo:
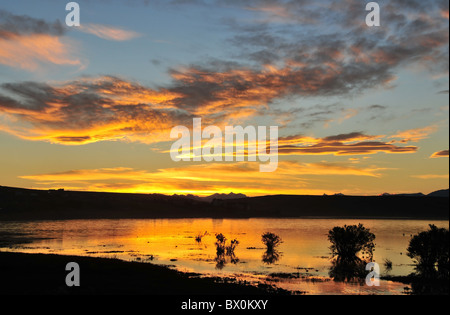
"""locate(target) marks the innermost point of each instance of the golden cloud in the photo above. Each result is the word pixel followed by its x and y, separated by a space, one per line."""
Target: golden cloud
pixel 416 134
pixel 89 110
pixel 431 176
pixel 345 144
pixel 108 32
pixel 28 52
pixel 202 179
pixel 440 154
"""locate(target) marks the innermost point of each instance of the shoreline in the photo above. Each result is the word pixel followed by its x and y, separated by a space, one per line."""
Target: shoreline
pixel 45 274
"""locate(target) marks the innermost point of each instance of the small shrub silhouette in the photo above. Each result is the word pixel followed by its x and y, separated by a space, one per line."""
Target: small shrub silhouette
pixel 271 240
pixel 223 251
pixel 349 241
pixel 430 250
pixel 200 237
pixel 220 243
pixel 230 249
pixel 388 264
pixel 346 244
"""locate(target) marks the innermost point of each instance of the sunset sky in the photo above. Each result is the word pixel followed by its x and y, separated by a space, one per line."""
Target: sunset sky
pixel 361 110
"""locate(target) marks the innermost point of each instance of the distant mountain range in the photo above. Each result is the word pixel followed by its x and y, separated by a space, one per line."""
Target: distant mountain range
pixel 439 193
pixel 27 204
pixel 211 198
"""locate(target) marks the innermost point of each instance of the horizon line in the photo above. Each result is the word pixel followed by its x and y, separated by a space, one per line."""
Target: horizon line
pixel 218 193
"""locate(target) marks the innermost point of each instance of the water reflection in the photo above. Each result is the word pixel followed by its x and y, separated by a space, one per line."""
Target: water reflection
pixel 342 270
pixel 428 281
pixel 388 265
pixel 225 253
pixel 223 259
pixel 200 237
pixel 183 244
pixel 430 249
pixel 271 256
pixel 272 241
pixel 347 244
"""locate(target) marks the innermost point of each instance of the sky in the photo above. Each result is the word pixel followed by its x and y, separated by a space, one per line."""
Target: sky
pixel 360 110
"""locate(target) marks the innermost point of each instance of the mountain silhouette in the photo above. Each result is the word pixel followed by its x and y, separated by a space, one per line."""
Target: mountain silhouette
pixel 440 193
pixel 29 204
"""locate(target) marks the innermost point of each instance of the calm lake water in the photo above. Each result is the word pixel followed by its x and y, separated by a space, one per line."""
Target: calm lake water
pixel 303 263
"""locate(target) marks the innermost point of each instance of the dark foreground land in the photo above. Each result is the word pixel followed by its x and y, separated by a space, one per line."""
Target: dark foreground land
pixel 43 274
pixel 36 274
pixel 25 204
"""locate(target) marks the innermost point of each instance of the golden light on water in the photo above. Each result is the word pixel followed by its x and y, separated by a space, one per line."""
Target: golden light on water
pixel 304 252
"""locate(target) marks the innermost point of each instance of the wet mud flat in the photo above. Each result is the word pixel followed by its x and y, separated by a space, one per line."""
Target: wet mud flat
pixel 31 274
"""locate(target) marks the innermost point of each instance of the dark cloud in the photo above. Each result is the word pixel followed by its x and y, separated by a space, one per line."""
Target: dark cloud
pixel 155 62
pixel 440 154
pixel 89 110
pixel 11 24
pixel 109 108
pixel 355 143
pixel 28 43
pixel 344 137
pixel 376 107
pixel 290 50
pixel 413 33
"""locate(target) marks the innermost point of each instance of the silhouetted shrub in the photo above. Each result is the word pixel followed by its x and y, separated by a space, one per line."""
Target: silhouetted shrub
pixel 271 240
pixel 349 241
pixel 223 251
pixel 388 264
pixel 220 243
pixel 430 249
pixel 346 244
pixel 230 249
pixel 200 236
pixel 271 257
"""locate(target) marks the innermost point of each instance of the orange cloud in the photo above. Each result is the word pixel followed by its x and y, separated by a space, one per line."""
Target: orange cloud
pixel 108 32
pixel 278 12
pixel 88 175
pixel 345 144
pixel 431 176
pixel 202 179
pixel 439 154
pixel 355 143
pixel 415 135
pixel 275 13
pixel 28 52
pixel 89 110
pixel 207 92
pixel 108 108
